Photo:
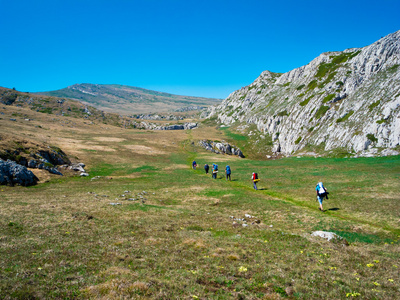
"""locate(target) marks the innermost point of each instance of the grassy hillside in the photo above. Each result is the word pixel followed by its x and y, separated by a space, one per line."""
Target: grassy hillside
pixel 179 237
pixel 128 100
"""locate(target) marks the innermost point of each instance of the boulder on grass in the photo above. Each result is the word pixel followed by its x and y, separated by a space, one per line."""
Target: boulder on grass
pixel 12 173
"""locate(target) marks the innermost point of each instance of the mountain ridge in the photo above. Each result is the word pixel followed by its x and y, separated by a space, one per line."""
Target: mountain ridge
pixel 127 99
pixel 348 100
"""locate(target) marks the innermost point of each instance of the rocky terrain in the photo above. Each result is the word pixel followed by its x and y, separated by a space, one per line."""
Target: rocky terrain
pixel 130 100
pixel 154 126
pixel 221 147
pixel 347 102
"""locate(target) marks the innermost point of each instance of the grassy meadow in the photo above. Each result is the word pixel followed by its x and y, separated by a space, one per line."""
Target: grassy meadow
pixel 144 225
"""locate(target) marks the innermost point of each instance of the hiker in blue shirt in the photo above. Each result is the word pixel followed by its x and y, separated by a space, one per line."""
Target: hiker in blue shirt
pixel 214 171
pixel 228 172
pixel 321 194
pixel 194 165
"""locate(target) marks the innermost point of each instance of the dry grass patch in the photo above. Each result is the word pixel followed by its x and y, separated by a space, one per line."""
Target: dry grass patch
pixel 117 272
pixel 175 167
pixel 194 243
pixel 152 241
pixel 117 289
pixel 109 139
pixel 233 256
pixel 141 149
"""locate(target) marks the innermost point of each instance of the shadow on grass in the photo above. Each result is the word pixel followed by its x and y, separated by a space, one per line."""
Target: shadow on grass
pixel 333 208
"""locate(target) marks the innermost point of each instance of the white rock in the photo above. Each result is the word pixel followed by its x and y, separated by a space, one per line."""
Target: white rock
pixel 325 234
pixel 364 89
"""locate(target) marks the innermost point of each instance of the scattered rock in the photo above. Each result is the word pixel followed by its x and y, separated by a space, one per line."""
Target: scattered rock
pixel 83 174
pixel 12 173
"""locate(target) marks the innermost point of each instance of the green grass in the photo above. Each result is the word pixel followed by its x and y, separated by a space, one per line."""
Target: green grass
pixel 67 241
pixel 234 136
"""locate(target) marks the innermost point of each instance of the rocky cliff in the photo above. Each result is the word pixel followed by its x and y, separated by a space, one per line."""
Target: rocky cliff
pixel 347 101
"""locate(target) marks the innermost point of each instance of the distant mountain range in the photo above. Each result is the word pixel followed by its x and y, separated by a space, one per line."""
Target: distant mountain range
pixel 341 102
pixel 129 100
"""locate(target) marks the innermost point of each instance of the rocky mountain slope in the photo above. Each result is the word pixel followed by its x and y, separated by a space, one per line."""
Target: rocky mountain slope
pixel 129 100
pixel 345 101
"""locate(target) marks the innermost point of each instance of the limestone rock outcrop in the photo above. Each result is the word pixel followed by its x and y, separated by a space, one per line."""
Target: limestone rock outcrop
pixel 12 173
pixel 347 100
pixel 221 147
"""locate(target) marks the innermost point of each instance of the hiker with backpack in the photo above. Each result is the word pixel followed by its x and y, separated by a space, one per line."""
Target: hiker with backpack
pixel 255 179
pixel 206 168
pixel 321 194
pixel 194 165
pixel 214 171
pixel 228 172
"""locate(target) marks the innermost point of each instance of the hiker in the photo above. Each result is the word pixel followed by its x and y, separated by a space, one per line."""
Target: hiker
pixel 321 193
pixel 214 171
pixel 255 179
pixel 194 165
pixel 228 172
pixel 206 168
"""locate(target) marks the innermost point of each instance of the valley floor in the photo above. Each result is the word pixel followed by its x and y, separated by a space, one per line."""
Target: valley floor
pixel 145 225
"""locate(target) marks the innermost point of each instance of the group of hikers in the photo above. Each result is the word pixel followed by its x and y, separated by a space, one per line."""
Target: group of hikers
pixel 228 171
pixel 322 192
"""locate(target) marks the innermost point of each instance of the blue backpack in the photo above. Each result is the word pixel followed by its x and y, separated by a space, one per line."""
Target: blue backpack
pixel 228 170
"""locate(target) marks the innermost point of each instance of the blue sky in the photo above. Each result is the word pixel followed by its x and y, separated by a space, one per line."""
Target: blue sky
pixel 197 48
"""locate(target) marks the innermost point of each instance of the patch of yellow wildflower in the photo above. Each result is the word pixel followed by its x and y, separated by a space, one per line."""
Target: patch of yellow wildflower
pixel 242 269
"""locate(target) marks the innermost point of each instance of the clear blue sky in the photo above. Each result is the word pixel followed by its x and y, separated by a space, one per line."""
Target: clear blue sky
pixel 197 48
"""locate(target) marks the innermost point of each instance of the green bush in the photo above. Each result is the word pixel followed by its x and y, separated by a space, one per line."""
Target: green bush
pixel 321 111
pixel 372 137
pixel 312 85
pixel 305 102
pixel 298 140
pixel 381 121
pixel 328 98
pixel 345 117
pixel 373 105
pixel 283 113
pixel 300 87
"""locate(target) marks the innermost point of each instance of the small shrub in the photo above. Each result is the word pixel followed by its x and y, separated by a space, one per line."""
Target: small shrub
pixel 298 140
pixel 283 113
pixel 373 105
pixel 345 117
pixel 305 102
pixel 321 111
pixel 328 98
pixel 381 121
pixel 286 84
pixel 300 87
pixel 372 137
